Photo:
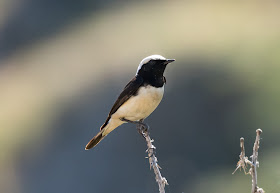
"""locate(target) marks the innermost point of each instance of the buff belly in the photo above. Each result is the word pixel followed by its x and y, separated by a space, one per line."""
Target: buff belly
pixel 137 107
pixel 142 105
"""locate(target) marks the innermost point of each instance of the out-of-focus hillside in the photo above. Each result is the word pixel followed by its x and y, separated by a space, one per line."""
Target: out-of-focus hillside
pixel 57 88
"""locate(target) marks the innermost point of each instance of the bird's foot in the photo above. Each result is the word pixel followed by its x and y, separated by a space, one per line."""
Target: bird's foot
pixel 141 127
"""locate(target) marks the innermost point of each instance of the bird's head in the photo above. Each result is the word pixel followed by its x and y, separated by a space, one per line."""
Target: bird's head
pixel 153 66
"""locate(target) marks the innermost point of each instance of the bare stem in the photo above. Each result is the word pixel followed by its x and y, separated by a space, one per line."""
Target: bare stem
pixel 152 159
pixel 255 162
pixel 243 161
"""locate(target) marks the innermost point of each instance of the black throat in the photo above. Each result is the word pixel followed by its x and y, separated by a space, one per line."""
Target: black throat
pixel 152 73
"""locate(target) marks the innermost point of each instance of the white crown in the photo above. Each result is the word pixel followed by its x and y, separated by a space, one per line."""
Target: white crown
pixel 148 59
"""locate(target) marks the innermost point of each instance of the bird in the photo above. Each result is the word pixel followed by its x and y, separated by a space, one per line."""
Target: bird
pixel 139 98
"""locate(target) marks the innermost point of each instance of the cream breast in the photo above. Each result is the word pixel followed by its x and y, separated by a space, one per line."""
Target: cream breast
pixel 142 105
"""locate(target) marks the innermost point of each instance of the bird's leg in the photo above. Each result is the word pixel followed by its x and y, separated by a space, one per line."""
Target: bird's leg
pixel 141 127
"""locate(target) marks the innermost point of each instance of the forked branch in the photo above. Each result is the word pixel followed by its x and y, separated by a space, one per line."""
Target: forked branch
pixel 254 164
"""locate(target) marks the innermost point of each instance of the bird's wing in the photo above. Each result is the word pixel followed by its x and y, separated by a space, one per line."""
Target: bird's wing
pixel 130 89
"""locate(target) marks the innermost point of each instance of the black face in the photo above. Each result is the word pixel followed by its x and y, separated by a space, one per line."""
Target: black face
pixel 153 69
pixel 152 72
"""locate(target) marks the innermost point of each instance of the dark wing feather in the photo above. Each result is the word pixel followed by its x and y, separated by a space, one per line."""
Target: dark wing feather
pixel 129 90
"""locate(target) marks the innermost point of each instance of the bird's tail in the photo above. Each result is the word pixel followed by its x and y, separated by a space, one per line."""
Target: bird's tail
pixel 95 140
pixel 105 129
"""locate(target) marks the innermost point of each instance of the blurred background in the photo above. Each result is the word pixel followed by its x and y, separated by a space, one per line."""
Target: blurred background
pixel 63 63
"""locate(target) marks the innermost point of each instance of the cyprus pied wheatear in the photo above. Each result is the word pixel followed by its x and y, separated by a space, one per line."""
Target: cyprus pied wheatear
pixel 139 99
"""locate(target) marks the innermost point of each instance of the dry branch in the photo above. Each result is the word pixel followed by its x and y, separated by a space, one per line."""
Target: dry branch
pixel 254 164
pixel 152 158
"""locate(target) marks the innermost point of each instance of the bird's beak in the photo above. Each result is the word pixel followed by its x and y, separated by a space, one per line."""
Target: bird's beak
pixel 169 61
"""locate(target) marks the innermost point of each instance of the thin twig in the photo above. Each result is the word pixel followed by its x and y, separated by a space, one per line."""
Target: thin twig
pixel 152 159
pixel 243 161
pixel 255 162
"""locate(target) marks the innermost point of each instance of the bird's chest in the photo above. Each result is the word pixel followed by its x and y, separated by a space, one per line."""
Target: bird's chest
pixel 148 98
pixel 143 104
